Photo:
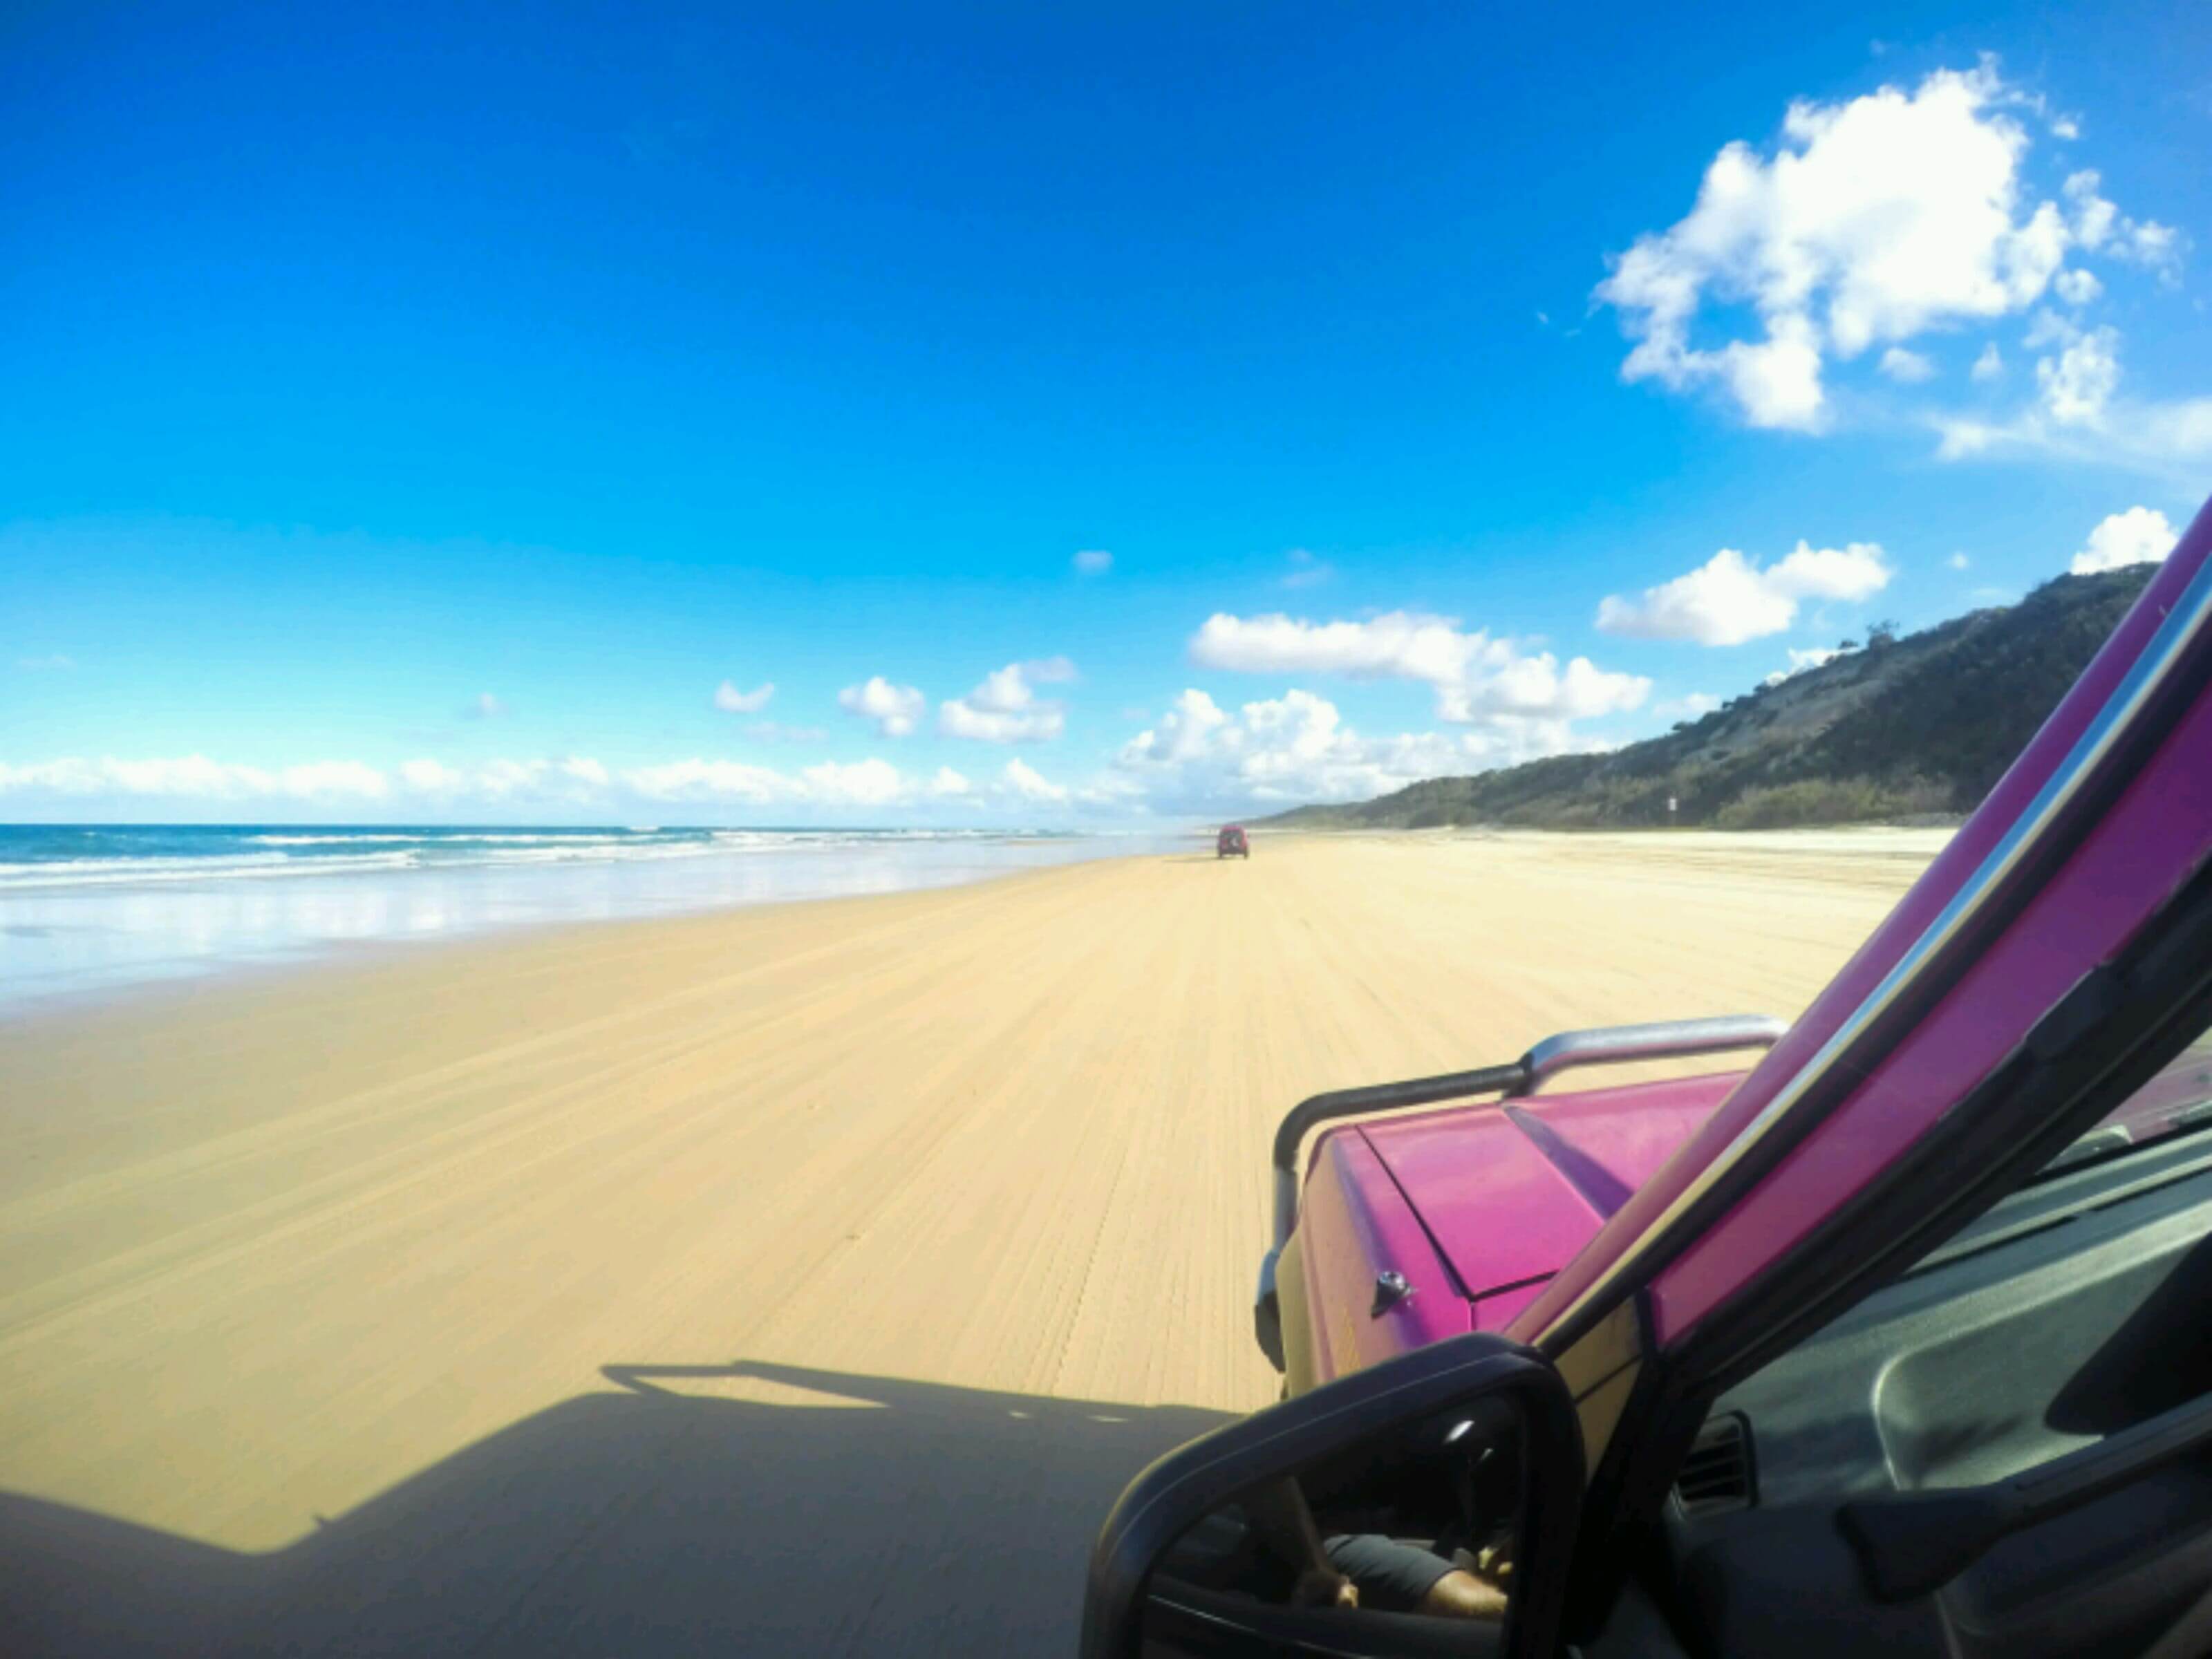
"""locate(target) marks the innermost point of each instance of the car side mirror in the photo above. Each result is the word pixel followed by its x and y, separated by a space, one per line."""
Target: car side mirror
pixel 1443 1485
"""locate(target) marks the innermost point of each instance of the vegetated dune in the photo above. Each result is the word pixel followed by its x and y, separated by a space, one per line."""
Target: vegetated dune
pixel 801 1279
pixel 1888 728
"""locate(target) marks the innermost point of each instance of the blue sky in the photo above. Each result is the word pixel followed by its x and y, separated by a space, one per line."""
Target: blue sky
pixel 422 413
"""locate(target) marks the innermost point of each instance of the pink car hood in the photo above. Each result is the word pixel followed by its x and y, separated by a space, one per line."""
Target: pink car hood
pixel 1559 1166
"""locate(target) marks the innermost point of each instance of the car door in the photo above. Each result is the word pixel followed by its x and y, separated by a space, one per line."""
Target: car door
pixel 2054 956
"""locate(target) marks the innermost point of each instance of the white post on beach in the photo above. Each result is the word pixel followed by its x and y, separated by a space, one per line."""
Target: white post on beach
pixel 1670 809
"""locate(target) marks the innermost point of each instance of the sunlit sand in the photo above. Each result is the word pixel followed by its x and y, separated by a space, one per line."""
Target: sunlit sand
pixel 530 1288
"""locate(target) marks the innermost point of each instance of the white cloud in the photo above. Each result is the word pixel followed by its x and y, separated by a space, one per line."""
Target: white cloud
pixel 2100 227
pixel 1298 747
pixel 871 782
pixel 2158 246
pixel 1728 599
pixel 1184 732
pixel 1093 562
pixel 430 777
pixel 1801 661
pixel 2142 535
pixel 1691 706
pixel 1477 677
pixel 1988 366
pixel 1906 368
pixel 731 700
pixel 949 785
pixel 53 662
pixel 196 777
pixel 2171 440
pixel 894 709
pixel 2079 382
pixel 1005 708
pixel 711 780
pixel 486 707
pixel 1778 380
pixel 1307 569
pixel 2078 287
pixel 574 778
pixel 1958 562
pixel 1021 782
pixel 1872 221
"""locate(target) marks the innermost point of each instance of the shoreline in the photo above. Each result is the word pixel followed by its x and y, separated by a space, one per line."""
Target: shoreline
pixel 116 933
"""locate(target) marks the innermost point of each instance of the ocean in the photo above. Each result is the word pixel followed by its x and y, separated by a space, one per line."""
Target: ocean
pixel 86 910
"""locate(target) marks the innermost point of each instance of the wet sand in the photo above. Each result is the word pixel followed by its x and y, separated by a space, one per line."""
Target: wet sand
pixel 799 1279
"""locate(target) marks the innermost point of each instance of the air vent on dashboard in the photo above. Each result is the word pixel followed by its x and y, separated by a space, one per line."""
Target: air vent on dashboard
pixel 1716 1475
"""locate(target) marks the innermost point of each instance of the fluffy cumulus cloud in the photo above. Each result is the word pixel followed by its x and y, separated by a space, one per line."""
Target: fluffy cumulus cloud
pixel 1801 661
pixel 1873 221
pixel 196 777
pixel 2077 288
pixel 2142 535
pixel 1023 783
pixel 894 709
pixel 1298 747
pixel 731 700
pixel 1005 708
pixel 2077 375
pixel 1730 599
pixel 1479 679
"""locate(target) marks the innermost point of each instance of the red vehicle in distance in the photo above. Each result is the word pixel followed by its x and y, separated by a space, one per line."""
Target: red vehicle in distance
pixel 1230 842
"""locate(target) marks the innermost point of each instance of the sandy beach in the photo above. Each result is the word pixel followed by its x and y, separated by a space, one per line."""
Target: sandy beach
pixel 797 1279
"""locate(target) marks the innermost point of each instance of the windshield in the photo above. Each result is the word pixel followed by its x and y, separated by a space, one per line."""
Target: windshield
pixel 2179 1097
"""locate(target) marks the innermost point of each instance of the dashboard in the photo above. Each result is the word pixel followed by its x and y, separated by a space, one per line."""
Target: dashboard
pixel 2078 1310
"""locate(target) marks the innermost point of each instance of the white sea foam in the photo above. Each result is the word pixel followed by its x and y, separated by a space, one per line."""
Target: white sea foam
pixel 170 902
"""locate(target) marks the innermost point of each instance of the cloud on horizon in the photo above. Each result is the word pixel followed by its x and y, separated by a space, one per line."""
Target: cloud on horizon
pixel 2142 535
pixel 1478 678
pixel 1728 599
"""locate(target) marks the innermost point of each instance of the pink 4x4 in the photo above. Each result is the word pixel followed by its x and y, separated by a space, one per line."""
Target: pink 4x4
pixel 1900 1341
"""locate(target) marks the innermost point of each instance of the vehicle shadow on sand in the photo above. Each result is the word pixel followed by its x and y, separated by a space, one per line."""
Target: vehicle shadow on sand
pixel 814 1513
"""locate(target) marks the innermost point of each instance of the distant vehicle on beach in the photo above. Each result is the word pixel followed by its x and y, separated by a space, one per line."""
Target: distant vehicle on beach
pixel 1230 843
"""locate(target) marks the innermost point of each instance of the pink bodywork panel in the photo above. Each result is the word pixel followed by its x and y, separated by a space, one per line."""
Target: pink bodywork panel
pixel 1356 1223
pixel 1509 1192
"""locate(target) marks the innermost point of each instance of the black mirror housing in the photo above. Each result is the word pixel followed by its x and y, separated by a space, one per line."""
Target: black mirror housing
pixel 1472 1375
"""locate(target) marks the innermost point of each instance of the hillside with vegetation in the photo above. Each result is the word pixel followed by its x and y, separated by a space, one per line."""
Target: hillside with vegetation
pixel 1889 728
